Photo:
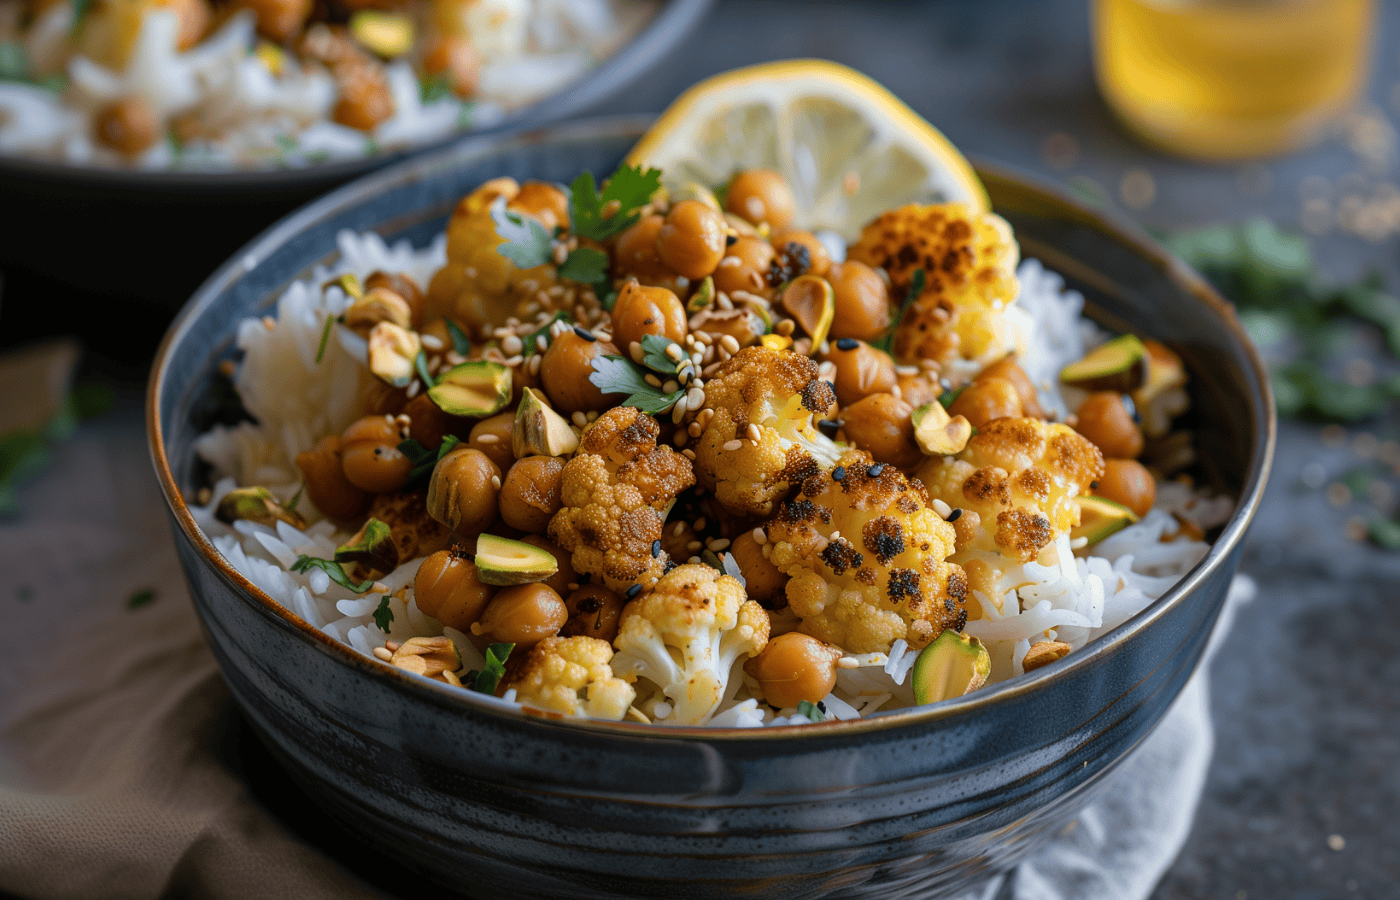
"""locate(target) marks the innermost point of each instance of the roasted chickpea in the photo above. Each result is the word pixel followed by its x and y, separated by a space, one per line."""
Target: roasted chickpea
pixel 444 287
pixel 448 589
pixel 278 20
pixel 530 493
pixel 818 258
pixel 764 582
pixel 861 370
pixel 985 400
pixel 365 99
pixel 1104 419
pixel 462 492
pixel 918 389
pixel 193 16
pixel 642 310
pixel 794 667
pixel 406 288
pixel 691 240
pixel 455 57
pixel 428 424
pixel 1007 370
pixel 761 195
pixel 594 611
pixel 881 425
pixel 544 202
pixel 862 301
pixel 745 267
pixel 128 125
pixel 370 457
pixel 1128 482
pixel 326 484
pixel 565 370
pixel 523 614
pixel 566 575
pixel 493 437
pixel 636 254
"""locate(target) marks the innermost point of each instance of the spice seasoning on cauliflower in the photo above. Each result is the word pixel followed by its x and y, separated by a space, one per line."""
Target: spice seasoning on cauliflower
pixel 867 558
pixel 569 675
pixel 759 437
pixel 685 636
pixel 615 495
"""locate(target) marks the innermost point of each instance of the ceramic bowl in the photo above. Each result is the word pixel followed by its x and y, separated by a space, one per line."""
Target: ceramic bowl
pixel 921 803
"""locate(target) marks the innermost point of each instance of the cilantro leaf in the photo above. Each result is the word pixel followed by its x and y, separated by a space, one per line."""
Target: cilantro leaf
pixel 332 568
pixel 460 343
pixel 810 710
pixel 586 266
pixel 654 355
pixel 383 616
pixel 630 186
pixel 615 375
pixel 433 88
pixel 916 287
pixel 527 244
pixel 14 61
pixel 486 680
pixel 420 365
pixel 423 459
pixel 140 599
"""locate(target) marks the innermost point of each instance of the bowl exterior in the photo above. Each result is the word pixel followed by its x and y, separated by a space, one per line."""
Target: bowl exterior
pixel 920 804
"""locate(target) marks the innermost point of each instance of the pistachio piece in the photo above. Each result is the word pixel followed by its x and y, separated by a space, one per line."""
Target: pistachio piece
pixel 1043 653
pixel 1163 396
pixel 477 388
pixel 953 665
pixel 539 430
pixel 1118 365
pixel 812 304
pixel 431 657
pixel 1099 518
pixel 502 561
pixel 378 305
pixel 388 35
pixel 372 547
pixel 936 433
pixel 703 297
pixel 392 350
pixel 255 504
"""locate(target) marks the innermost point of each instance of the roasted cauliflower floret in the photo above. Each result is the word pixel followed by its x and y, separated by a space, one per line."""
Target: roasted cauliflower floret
pixel 615 495
pixel 569 675
pixel 760 437
pixel 969 261
pixel 685 637
pixel 1020 476
pixel 867 558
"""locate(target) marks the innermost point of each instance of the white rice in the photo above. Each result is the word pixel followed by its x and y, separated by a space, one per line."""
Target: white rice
pixel 1070 599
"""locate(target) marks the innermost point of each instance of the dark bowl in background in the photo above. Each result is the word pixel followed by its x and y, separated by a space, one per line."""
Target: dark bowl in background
pixel 123 250
pixel 919 803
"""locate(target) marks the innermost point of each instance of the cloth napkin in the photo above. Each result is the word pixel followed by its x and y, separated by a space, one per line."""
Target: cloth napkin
pixel 113 782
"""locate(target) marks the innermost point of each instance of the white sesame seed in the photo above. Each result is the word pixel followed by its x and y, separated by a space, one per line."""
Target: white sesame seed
pixel 541 344
pixel 591 415
pixel 670 386
pixel 694 428
pixel 652 380
pixel 635 350
pixel 431 341
pixel 454 358
pixel 515 360
pixel 730 343
pixel 379 587
pixel 693 546
pixel 413 387
pixel 512 344
pixel 496 482
pixel 688 453
pixel 535 364
pixel 848 662
pixel 487 438
pixel 754 434
pixel 677 531
pixel 943 509
pixel 700 523
pixel 383 653
pixel 731 446
pixel 730 261
pixel 719 544
pixel 579 419
pixel 760 536
pixel 673 353
pixel 723 302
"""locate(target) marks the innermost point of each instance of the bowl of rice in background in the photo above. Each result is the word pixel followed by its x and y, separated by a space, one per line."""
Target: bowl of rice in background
pixel 195 206
pixel 925 800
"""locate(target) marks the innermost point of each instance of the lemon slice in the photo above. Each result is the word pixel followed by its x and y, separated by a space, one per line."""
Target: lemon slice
pixel 848 147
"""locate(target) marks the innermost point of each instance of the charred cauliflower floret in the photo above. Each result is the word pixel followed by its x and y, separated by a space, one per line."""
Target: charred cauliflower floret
pixel 685 637
pixel 969 261
pixel 867 559
pixel 1021 477
pixel 615 494
pixel 569 675
pixel 760 437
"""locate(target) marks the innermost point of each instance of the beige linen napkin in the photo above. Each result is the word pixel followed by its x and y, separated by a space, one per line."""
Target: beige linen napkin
pixel 110 718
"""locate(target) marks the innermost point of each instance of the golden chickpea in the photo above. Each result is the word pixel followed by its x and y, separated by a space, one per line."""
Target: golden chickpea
pixel 1007 370
pixel 326 484
pixel 530 493
pixel 462 491
pixel 985 400
pixel 543 201
pixel 1128 482
pixel 745 267
pixel 1104 419
pixel 428 424
pixel 692 239
pixel 761 195
pixel 455 57
pixel 127 125
pixel 278 20
pixel 861 370
pixel 406 288
pixel 566 368
pixel 764 582
pixel 818 259
pixel 594 611
pixel 862 301
pixel 642 310
pixel 566 575
pixel 636 254
pixel 523 614
pixel 919 389
pixel 881 425
pixel 443 288
pixel 493 436
pixel 364 100
pixel 193 16
pixel 794 667
pixel 448 589
pixel 370 457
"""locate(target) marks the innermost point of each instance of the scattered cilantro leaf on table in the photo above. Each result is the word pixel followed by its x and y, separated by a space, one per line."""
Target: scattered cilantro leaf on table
pixel 140 599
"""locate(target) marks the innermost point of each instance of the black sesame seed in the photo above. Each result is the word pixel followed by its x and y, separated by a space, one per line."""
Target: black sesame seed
pixel 875 470
pixel 821 706
pixel 584 333
pixel 955 515
pixel 829 427
pixel 633 591
pixel 655 549
pixel 847 344
pixel 730 240
pixel 1093 485
pixel 838 473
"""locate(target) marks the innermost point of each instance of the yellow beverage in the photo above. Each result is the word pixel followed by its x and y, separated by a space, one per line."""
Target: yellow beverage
pixel 1231 79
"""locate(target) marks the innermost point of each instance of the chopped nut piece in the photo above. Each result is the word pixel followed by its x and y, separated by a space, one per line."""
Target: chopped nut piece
pixel 936 433
pixel 256 504
pixel 539 430
pixel 433 657
pixel 392 350
pixel 1043 653
pixel 379 305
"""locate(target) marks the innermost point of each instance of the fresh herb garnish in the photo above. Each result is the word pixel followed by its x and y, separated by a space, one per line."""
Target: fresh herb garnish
pixel 23 453
pixel 916 287
pixel 460 344
pixel 14 61
pixel 334 569
pixel 486 680
pixel 531 341
pixel 527 244
pixel 654 356
pixel 80 11
pixel 946 398
pixel 140 599
pixel 466 116
pixel 586 266
pixel 383 615
pixel 433 88
pixel 325 337
pixel 600 215
pixel 420 365
pixel 423 459
pixel 809 709
pixel 615 375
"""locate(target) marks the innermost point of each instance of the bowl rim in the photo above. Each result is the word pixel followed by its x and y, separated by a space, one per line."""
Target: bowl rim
pixel 1193 286
pixel 675 20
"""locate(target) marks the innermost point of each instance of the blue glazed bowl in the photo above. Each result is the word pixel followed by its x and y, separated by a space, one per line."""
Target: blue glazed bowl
pixel 921 803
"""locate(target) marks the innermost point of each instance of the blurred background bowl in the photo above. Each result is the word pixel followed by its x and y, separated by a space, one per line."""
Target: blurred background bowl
pixel 486 801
